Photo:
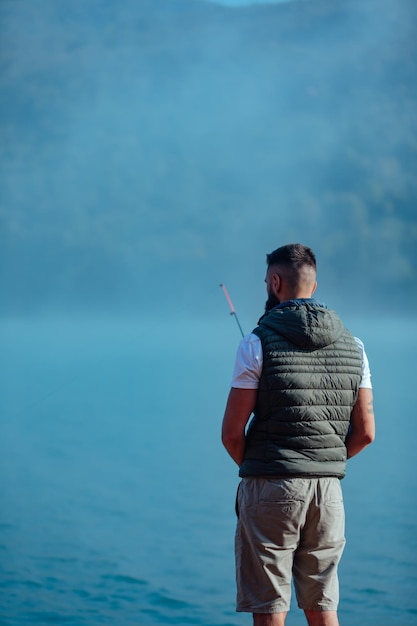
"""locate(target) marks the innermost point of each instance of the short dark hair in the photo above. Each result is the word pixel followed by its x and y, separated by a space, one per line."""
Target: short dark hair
pixel 294 255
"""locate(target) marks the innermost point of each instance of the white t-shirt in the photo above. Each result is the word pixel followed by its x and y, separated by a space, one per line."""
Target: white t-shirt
pixel 249 359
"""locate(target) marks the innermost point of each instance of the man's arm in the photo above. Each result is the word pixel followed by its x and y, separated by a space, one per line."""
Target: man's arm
pixel 239 407
pixel 362 423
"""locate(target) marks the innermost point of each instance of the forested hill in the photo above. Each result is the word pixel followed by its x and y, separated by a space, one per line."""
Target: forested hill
pixel 152 149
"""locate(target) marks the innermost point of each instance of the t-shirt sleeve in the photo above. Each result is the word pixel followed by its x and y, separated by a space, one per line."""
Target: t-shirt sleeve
pixel 248 363
pixel 366 371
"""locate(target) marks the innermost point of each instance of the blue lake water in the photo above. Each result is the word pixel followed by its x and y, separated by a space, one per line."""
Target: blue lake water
pixel 117 498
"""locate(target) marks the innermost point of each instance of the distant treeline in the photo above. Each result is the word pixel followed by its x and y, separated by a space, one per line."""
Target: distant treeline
pixel 148 146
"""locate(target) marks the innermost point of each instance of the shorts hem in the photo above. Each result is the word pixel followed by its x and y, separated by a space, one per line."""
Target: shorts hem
pixel 263 609
pixel 319 608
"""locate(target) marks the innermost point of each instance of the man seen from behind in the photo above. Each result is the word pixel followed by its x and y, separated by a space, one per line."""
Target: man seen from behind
pixel 306 380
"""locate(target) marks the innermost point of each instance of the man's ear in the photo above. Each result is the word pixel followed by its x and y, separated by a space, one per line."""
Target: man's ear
pixel 314 287
pixel 276 283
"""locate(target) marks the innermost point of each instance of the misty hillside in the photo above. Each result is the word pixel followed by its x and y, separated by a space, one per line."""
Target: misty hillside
pixel 152 149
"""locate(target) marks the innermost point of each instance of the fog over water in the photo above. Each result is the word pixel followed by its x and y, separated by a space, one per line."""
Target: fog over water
pixel 152 150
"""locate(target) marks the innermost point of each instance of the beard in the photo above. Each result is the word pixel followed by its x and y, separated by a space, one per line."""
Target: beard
pixel 271 302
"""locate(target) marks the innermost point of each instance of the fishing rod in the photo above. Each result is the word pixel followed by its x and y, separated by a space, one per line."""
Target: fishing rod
pixel 232 308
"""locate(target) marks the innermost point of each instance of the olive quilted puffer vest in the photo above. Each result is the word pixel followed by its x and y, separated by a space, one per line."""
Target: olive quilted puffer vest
pixel 308 386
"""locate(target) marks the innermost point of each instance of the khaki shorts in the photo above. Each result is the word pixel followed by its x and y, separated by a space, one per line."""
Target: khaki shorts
pixel 288 527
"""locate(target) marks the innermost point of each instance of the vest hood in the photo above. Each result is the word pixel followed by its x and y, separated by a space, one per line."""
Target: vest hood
pixel 305 323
